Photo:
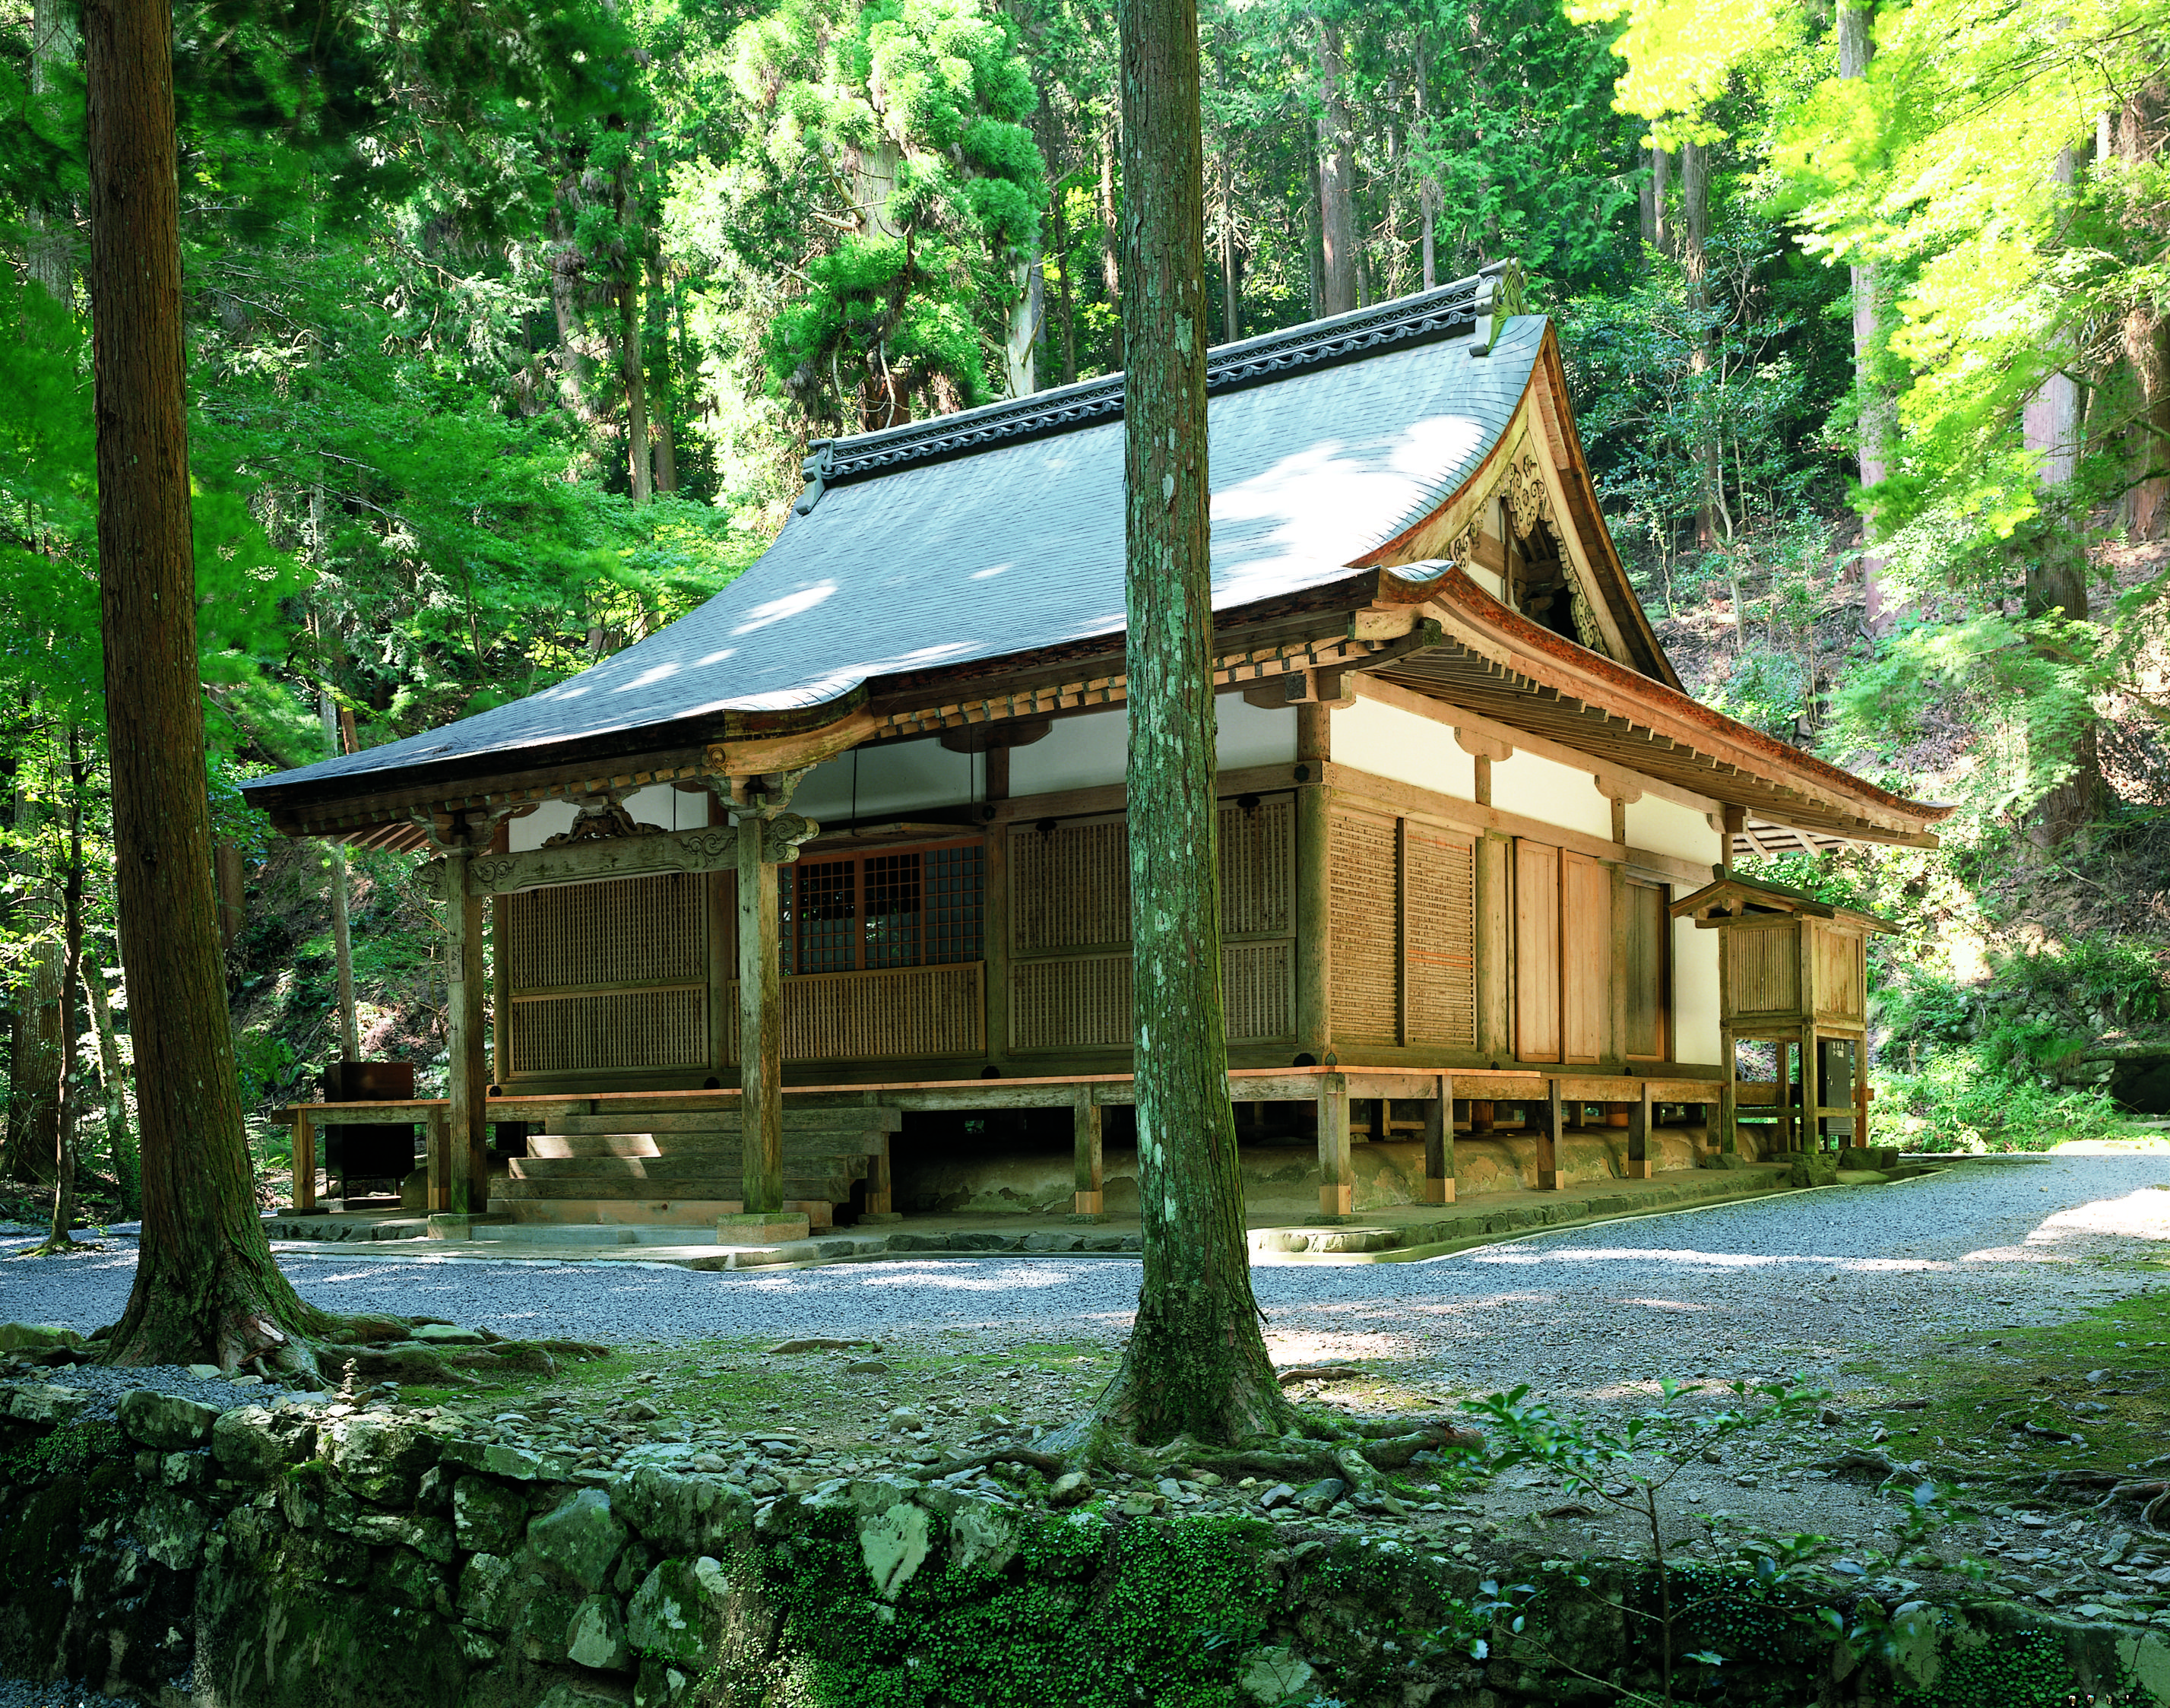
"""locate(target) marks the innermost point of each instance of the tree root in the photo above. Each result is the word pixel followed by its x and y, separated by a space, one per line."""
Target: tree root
pixel 1356 1458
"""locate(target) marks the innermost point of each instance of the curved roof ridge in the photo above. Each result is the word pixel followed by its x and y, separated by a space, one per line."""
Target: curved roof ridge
pixel 1474 304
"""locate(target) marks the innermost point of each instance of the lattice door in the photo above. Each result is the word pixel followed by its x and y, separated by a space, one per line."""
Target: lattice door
pixel 607 976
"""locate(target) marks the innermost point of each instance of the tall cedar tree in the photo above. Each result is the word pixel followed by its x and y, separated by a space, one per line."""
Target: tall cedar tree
pixel 206 1289
pixel 1197 1364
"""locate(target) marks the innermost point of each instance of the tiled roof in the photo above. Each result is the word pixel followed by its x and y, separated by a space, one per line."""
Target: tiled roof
pixel 1000 530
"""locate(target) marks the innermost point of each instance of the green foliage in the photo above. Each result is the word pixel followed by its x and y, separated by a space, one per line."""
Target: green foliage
pixel 2027 1669
pixel 1094 1614
pixel 73 1450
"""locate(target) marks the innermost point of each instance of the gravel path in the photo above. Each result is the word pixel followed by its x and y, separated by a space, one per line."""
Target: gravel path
pixel 1773 1285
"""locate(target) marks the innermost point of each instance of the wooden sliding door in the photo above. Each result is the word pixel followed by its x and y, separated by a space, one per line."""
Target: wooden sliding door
pixel 1562 954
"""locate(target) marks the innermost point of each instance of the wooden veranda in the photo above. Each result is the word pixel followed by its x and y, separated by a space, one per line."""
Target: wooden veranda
pixel 1402 1102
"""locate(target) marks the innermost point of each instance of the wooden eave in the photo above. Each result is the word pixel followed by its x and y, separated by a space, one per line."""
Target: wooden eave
pixel 1499 664
pixel 1309 632
pixel 1739 897
pixel 1543 414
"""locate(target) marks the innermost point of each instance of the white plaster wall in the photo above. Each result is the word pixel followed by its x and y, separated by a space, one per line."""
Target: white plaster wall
pixel 659 805
pixel 1695 993
pixel 1086 751
pixel 1387 741
pixel 1091 751
pixel 1253 734
pixel 894 778
pixel 1554 793
pixel 1666 827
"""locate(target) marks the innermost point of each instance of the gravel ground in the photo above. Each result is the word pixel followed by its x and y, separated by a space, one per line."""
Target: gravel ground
pixel 1772 1286
pixel 1804 1284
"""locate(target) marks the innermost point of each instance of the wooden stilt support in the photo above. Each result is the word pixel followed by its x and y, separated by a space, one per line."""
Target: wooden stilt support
pixel 467 1118
pixel 1728 1099
pixel 305 1162
pixel 1337 1187
pixel 1087 1200
pixel 761 1014
pixel 1483 1115
pixel 763 1218
pixel 1641 1164
pixel 439 1163
pixel 1860 1057
pixel 1438 1144
pixel 1549 1116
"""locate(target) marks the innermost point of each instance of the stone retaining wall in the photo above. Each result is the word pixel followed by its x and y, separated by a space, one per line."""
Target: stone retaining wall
pixel 318 1554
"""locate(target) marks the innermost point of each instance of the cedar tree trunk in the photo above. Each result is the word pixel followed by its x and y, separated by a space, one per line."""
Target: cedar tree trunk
pixel 1337 180
pixel 206 1289
pixel 34 1037
pixel 349 1023
pixel 1197 1364
pixel 1857 46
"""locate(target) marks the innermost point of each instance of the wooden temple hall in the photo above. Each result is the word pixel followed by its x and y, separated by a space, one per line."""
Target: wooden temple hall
pixel 816 903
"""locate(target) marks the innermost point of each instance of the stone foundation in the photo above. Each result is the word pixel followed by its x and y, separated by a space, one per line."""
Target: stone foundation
pixel 322 1556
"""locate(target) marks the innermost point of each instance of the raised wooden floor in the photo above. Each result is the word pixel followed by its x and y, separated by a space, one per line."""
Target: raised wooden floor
pixel 707 1122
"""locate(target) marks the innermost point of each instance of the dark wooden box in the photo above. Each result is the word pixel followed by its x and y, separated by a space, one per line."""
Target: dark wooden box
pixel 375 1150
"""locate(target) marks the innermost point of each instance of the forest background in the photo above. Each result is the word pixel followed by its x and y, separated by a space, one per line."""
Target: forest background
pixel 509 327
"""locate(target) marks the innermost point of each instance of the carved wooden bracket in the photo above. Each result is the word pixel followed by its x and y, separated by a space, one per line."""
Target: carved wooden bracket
pixel 780 838
pixel 1482 747
pixel 713 849
pixel 1618 788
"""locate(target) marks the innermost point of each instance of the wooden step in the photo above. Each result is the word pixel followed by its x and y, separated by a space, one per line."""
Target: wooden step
pixel 592 1144
pixel 619 1120
pixel 686 1142
pixel 665 1168
pixel 697 1217
pixel 828 1189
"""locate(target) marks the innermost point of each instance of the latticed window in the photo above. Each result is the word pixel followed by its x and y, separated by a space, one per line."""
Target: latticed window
pixel 923 907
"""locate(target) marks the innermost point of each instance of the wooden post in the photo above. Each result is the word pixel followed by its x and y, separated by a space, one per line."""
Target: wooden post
pixel 995 943
pixel 305 1160
pixel 500 971
pixel 1086 1118
pixel 1861 1089
pixel 1314 885
pixel 1641 1164
pixel 1732 820
pixel 1438 1144
pixel 1616 1007
pixel 1549 1116
pixel 1495 952
pixel 723 961
pixel 761 1027
pixel 1483 1115
pixel 1728 1049
pixel 439 1153
pixel 468 1118
pixel 1337 1189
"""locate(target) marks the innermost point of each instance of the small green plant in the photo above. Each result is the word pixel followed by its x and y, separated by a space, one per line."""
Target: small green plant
pixel 1628 1465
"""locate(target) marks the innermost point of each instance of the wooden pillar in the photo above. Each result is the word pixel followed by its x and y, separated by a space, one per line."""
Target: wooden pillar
pixel 500 971
pixel 1337 1187
pixel 722 905
pixel 1085 1124
pixel 1438 1144
pixel 1641 1164
pixel 1728 1049
pixel 1861 1089
pixel 995 938
pixel 1732 820
pixel 1314 884
pixel 761 1027
pixel 1483 1115
pixel 467 1119
pixel 305 1162
pixel 1495 971
pixel 1548 1117
pixel 1616 1004
pixel 439 1150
